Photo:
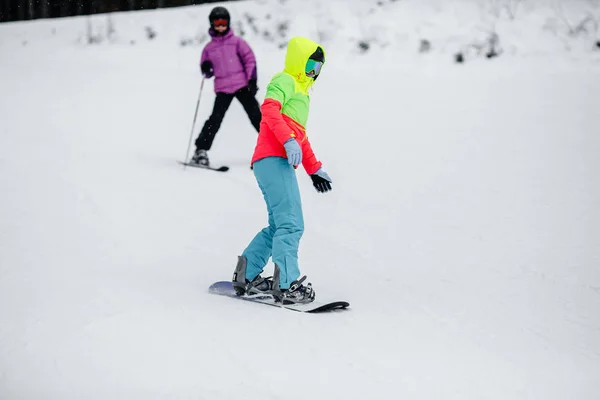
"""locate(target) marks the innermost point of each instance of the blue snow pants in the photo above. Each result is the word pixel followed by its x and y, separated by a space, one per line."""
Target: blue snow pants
pixel 277 181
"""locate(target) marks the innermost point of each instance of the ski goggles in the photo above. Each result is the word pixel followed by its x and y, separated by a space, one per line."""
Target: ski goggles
pixel 220 22
pixel 313 68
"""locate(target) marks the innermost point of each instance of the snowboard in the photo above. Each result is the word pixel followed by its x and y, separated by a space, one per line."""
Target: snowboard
pixel 222 168
pixel 225 288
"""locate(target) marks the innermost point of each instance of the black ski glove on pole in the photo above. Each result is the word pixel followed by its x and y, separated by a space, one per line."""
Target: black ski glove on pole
pixel 207 69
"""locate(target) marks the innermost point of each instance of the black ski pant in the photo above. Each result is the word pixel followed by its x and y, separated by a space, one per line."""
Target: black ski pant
pixel 222 103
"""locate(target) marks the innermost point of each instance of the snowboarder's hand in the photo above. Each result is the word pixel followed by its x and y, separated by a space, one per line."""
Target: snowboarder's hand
pixel 321 181
pixel 294 152
pixel 207 69
pixel 252 88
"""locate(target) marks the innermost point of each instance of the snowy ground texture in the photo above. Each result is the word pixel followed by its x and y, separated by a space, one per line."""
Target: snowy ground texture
pixel 464 225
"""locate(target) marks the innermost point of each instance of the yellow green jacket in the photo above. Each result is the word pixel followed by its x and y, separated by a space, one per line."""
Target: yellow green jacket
pixel 286 107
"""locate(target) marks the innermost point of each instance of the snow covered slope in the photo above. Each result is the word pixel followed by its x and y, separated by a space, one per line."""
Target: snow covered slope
pixel 463 228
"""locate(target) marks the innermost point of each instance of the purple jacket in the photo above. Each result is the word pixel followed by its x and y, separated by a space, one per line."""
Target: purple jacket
pixel 232 59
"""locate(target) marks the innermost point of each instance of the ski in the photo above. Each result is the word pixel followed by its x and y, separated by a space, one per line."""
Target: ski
pixel 222 168
pixel 225 288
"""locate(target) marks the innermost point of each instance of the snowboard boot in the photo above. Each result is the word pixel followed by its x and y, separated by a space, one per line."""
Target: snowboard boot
pixel 296 294
pixel 242 286
pixel 200 157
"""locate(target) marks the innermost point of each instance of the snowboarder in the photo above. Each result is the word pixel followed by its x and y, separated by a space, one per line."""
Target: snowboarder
pixel 281 146
pixel 231 61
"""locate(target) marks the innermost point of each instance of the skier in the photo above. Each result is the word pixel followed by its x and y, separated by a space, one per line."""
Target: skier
pixel 231 61
pixel 281 146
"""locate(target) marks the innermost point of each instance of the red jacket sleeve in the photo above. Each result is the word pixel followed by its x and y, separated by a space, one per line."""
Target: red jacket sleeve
pixel 271 115
pixel 309 160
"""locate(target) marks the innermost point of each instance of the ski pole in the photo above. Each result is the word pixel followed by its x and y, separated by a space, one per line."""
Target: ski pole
pixel 194 123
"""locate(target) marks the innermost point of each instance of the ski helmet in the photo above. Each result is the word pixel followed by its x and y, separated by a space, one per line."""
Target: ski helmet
pixel 218 13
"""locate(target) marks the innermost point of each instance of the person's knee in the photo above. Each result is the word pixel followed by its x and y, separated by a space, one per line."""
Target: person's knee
pixel 216 118
pixel 269 231
pixel 290 229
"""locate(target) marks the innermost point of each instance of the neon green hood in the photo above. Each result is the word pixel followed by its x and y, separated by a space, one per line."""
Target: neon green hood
pixel 299 49
pixel 290 87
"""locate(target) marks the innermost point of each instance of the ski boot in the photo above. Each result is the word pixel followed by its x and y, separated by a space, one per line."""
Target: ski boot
pixel 296 294
pixel 242 286
pixel 200 157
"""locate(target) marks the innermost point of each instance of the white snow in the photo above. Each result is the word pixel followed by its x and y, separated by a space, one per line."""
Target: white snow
pixel 463 228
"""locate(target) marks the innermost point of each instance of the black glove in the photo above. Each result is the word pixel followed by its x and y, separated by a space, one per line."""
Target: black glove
pixel 321 181
pixel 207 69
pixel 252 88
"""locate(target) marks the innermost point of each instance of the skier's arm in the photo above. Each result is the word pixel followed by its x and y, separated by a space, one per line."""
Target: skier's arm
pixel 279 90
pixel 320 179
pixel 248 59
pixel 206 65
pixel 309 160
